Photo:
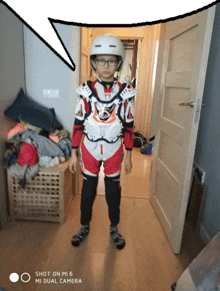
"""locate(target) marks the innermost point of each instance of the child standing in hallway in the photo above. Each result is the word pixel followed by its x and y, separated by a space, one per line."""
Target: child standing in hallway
pixel 104 113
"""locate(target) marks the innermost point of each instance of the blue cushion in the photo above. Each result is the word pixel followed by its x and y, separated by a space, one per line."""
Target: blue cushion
pixel 27 110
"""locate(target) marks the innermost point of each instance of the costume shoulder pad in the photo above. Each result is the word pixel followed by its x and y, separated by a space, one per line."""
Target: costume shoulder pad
pixel 128 92
pixel 84 90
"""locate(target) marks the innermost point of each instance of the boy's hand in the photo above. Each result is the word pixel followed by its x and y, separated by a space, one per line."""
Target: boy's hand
pixel 127 163
pixel 73 162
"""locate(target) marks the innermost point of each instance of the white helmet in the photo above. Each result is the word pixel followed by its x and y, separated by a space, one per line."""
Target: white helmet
pixel 106 44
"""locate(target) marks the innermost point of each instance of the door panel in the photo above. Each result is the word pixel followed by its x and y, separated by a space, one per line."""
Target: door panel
pixel 86 42
pixel 183 77
pixel 182 50
pixel 84 70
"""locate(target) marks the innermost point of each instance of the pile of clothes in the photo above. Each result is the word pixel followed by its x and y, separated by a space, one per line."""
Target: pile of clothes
pixel 28 150
pixel 37 140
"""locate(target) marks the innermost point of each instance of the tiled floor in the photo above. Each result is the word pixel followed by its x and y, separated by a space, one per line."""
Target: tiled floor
pixel 146 263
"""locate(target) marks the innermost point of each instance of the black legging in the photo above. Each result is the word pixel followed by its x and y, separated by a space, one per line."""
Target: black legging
pixel 112 195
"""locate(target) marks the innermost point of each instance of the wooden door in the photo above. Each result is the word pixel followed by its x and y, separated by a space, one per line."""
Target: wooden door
pixel 183 77
pixel 85 63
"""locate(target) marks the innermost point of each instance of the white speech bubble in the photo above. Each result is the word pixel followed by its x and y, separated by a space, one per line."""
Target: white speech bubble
pixel 40 15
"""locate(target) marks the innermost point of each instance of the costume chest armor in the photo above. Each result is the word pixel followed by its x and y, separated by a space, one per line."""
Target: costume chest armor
pixel 105 121
pixel 105 118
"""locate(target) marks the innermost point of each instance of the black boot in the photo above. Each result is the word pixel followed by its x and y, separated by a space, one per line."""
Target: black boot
pixel 117 238
pixel 80 236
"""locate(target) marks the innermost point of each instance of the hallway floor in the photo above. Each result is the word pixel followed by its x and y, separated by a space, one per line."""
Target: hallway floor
pixel 146 263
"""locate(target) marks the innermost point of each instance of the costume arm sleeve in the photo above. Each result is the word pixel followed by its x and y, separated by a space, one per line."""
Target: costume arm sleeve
pixel 78 123
pixel 128 124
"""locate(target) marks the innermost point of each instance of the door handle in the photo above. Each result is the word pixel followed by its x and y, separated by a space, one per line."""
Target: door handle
pixel 191 104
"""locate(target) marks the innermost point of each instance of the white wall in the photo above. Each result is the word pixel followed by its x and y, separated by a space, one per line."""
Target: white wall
pixel 207 154
pixel 44 70
pixel 12 77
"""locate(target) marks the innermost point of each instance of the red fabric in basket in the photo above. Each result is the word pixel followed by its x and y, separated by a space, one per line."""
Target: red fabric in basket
pixel 28 155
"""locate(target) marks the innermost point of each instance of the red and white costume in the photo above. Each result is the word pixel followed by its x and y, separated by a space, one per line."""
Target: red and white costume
pixel 104 116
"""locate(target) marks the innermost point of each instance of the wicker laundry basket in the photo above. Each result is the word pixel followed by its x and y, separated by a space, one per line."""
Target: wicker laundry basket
pixel 46 197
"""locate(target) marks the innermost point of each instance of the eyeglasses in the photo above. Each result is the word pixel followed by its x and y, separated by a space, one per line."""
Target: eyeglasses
pixel 102 62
